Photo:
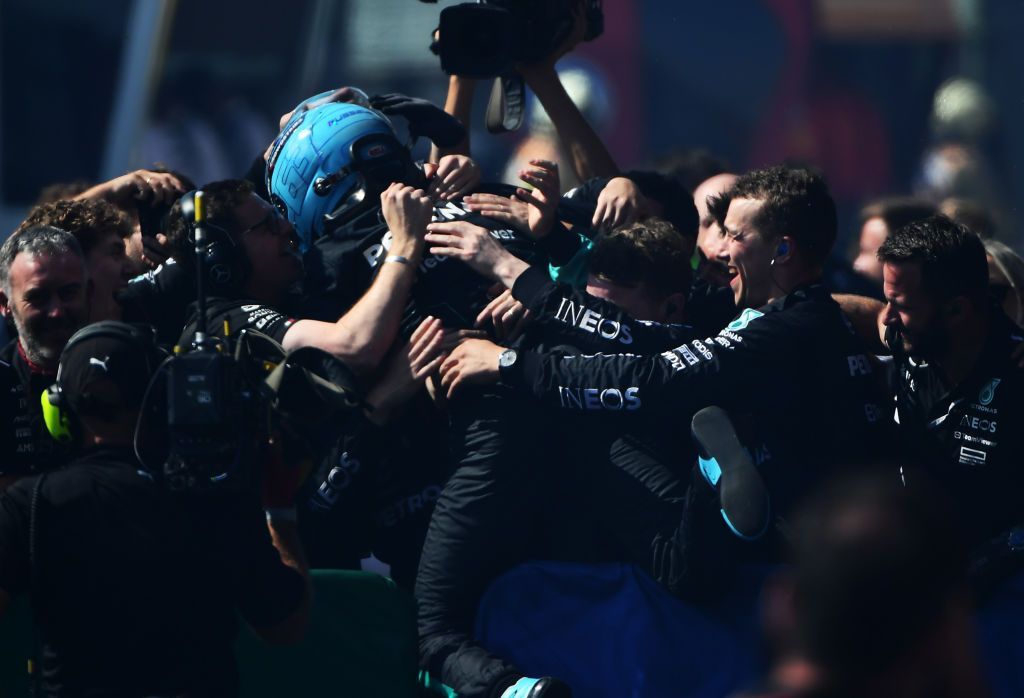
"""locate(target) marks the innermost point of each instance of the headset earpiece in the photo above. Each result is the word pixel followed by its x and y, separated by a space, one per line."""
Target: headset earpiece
pixel 227 267
pixel 58 414
pixel 59 422
pixel 783 249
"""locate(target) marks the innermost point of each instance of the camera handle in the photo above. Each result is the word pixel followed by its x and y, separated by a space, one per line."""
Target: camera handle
pixel 200 339
pixel 507 104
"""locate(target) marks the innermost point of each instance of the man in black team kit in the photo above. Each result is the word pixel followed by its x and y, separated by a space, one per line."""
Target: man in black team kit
pixel 959 401
pixel 790 363
pixel 495 508
pixel 44 291
pixel 136 589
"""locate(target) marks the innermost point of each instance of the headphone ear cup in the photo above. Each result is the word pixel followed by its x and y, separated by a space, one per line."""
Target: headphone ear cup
pixel 226 266
pixel 58 420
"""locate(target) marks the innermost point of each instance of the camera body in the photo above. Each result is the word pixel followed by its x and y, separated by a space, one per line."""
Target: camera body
pixel 211 422
pixel 487 39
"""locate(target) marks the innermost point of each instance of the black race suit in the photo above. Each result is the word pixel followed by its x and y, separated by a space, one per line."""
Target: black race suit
pixel 25 445
pixel 794 369
pixel 969 439
pixel 135 591
pixel 509 498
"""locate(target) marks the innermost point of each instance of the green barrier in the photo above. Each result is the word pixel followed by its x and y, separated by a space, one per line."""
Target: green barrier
pixel 361 642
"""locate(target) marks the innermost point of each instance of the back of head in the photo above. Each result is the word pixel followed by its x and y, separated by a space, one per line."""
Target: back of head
pixel 88 220
pixel 676 203
pixel 40 240
pixel 220 200
pixel 973 214
pixel 877 565
pixel 332 162
pixel 650 253
pixel 952 258
pixel 795 202
pixel 105 370
pixel 691 167
pixel 898 211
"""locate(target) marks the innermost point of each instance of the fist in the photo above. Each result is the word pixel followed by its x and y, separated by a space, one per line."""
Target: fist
pixel 407 211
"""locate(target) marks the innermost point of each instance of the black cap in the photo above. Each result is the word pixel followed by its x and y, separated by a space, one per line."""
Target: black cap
pixel 106 367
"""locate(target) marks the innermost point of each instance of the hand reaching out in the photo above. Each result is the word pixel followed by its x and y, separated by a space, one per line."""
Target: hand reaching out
pixel 513 212
pixel 407 370
pixel 454 176
pixel 474 362
pixel 620 203
pixel 507 316
pixel 542 201
pixel 475 246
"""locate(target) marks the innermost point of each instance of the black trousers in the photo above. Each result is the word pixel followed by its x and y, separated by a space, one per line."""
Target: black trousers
pixel 533 483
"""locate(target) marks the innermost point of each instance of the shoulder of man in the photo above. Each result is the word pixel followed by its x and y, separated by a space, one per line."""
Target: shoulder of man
pixel 237 315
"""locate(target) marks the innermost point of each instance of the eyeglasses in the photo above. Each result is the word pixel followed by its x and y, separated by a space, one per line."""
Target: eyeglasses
pixel 272 221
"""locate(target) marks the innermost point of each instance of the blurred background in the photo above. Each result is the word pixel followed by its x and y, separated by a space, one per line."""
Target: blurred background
pixel 885 96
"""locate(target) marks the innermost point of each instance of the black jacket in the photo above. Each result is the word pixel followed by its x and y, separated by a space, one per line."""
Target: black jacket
pixel 795 368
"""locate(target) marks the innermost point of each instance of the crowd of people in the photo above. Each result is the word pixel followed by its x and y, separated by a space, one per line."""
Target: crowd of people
pixel 533 370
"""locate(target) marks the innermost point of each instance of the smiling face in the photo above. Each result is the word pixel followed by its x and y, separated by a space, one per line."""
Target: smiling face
pixel 271 247
pixel 48 302
pixel 747 255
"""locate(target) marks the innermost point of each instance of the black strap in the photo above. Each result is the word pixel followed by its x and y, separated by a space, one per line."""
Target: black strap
pixel 35 661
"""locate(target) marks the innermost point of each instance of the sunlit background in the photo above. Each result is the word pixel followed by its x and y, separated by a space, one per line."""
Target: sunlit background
pixel 885 96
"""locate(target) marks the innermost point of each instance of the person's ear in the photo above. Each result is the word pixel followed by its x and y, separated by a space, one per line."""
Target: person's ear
pixel 784 250
pixel 5 306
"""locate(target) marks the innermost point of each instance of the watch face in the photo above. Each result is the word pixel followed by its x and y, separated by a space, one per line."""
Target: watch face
pixel 507 358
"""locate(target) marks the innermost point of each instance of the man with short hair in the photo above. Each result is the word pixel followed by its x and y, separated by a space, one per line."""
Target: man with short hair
pixel 101 231
pixel 959 392
pixel 44 289
pixel 135 588
pixel 790 361
pixel 261 262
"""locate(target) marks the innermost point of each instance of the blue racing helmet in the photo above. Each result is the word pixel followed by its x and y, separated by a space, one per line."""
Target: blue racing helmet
pixel 329 165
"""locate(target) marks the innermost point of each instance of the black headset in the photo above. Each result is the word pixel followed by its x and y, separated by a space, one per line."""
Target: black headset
pixel 58 412
pixel 224 259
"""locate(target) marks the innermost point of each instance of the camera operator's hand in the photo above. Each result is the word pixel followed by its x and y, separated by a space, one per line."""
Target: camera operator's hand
pixel 620 203
pixel 140 185
pixel 507 316
pixel 407 370
pixel 500 208
pixel 454 176
pixel 474 362
pixel 425 118
pixel 474 245
pixel 407 211
pixel 542 201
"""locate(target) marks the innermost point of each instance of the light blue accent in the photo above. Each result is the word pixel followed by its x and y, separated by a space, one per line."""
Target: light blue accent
pixel 521 688
pixel 316 144
pixel 574 272
pixel 710 469
pixel 988 393
pixel 737 533
pixel 745 318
